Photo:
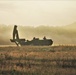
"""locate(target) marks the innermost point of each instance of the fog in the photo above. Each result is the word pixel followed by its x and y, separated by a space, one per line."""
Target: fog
pixel 59 34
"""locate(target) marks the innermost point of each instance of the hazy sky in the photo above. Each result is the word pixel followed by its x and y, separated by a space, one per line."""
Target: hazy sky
pixel 34 13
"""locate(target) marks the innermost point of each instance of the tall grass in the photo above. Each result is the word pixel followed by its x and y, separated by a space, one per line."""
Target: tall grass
pixel 38 60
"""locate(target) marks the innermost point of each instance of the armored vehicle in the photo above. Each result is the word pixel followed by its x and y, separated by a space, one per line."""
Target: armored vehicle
pixel 34 41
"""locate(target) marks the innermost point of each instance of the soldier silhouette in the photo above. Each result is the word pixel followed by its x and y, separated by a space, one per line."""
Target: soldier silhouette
pixel 15 33
pixel 44 38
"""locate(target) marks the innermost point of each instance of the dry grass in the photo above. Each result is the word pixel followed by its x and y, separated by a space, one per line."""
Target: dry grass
pixel 38 60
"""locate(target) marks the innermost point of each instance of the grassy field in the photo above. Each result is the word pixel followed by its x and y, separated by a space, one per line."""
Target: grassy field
pixel 38 60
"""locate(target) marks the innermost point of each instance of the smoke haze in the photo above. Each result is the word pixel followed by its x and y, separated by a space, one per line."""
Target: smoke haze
pixel 59 34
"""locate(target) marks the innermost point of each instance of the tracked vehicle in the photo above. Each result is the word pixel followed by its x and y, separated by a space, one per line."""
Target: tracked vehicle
pixel 34 41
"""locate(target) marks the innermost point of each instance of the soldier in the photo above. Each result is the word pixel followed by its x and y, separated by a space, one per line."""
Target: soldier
pixel 15 33
pixel 44 38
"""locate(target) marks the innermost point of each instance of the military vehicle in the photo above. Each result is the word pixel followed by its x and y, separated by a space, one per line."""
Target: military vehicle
pixel 34 42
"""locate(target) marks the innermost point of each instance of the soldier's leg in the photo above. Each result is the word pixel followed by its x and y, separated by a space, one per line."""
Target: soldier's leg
pixel 13 36
pixel 17 35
